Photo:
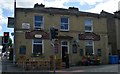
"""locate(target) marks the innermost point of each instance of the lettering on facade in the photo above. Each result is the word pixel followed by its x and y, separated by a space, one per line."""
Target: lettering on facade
pixel 36 34
pixel 25 26
pixel 89 36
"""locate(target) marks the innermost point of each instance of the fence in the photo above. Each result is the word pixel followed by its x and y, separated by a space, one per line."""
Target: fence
pixel 34 64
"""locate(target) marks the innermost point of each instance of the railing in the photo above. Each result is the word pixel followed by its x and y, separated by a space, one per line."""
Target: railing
pixel 34 64
pixel 39 64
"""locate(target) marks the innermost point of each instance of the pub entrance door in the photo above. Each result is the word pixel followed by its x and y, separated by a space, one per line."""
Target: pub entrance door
pixel 64 52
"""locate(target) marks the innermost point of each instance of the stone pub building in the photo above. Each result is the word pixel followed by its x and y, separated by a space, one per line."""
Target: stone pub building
pixel 80 33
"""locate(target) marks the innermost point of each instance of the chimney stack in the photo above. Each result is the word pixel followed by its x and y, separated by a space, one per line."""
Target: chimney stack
pixel 39 5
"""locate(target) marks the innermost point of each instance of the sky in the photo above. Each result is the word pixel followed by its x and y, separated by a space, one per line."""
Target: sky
pixel 94 6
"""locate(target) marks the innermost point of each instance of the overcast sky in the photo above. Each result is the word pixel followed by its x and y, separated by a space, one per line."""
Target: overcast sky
pixel 94 6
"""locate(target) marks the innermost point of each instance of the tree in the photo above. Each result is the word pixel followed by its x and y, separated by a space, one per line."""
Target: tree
pixel 10 42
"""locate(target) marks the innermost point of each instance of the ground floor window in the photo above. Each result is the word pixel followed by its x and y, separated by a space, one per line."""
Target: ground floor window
pixel 74 48
pixel 37 46
pixel 89 47
pixel 99 52
pixel 81 52
pixel 22 49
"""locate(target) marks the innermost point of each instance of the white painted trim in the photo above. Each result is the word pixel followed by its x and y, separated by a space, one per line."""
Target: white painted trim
pixel 43 47
pixel 34 21
pixel 38 43
pixel 68 46
pixel 90 45
pixel 19 31
pixel 91 24
pixel 65 23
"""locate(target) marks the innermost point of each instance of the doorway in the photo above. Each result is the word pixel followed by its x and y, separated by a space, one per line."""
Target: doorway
pixel 65 50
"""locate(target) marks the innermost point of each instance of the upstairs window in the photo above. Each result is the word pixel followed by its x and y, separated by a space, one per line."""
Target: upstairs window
pixel 64 24
pixel 38 22
pixel 88 25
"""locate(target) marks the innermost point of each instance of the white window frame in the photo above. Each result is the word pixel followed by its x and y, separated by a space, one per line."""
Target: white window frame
pixel 38 43
pixel 42 27
pixel 64 23
pixel 90 45
pixel 65 45
pixel 90 25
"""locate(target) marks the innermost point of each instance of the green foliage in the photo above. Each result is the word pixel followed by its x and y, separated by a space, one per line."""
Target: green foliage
pixel 10 42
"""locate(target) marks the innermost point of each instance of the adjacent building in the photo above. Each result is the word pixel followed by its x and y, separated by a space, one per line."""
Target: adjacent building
pixel 113 31
pixel 80 33
pixel 117 15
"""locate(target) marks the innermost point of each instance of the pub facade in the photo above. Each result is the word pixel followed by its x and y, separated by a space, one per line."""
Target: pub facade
pixel 79 34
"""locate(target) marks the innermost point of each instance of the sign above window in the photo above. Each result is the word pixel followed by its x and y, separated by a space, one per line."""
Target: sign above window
pixel 10 22
pixel 36 35
pixel 89 36
pixel 25 26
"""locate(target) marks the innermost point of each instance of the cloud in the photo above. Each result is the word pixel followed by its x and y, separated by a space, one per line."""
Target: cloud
pixel 91 2
pixel 5 5
pixel 109 6
pixel 48 3
pixel 1 20
pixel 0 29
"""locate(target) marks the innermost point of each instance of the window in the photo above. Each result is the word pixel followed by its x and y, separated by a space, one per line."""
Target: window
pixel 89 47
pixel 81 52
pixel 22 49
pixel 64 45
pixel 64 24
pixel 74 48
pixel 88 25
pixel 38 22
pixel 37 46
pixel 99 52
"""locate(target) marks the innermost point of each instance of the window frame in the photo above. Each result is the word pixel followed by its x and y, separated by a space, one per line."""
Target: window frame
pixel 90 45
pixel 88 25
pixel 41 27
pixel 74 51
pixel 64 24
pixel 22 50
pixel 65 45
pixel 38 44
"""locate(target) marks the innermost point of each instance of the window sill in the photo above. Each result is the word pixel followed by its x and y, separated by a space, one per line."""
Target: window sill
pixel 88 31
pixel 38 28
pixel 64 30
pixel 38 55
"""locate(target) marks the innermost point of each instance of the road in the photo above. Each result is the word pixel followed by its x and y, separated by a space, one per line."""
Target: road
pixel 101 68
